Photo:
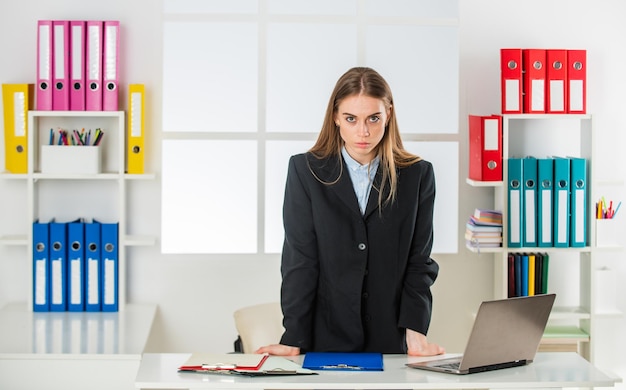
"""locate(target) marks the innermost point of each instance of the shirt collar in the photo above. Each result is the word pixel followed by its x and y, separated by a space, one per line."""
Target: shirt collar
pixel 355 165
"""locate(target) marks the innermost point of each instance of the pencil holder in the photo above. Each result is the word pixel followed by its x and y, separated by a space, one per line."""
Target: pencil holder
pixel 609 233
pixel 70 159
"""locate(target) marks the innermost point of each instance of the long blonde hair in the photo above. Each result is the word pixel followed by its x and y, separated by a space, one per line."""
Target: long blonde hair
pixel 366 81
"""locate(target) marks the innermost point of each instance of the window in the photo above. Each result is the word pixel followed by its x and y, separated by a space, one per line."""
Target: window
pixel 245 86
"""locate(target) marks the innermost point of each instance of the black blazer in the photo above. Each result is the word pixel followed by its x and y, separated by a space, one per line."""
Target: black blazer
pixel 354 282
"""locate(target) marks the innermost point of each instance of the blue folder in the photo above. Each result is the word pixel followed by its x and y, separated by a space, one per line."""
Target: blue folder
pixel 58 266
pixel 76 266
pixel 110 266
pixel 524 279
pixel 578 202
pixel 343 361
pixel 515 202
pixel 41 267
pixel 545 184
pixel 561 201
pixel 529 216
pixel 93 267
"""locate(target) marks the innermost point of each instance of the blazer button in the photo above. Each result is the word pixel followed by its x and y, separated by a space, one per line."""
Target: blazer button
pixel 366 295
pixel 362 246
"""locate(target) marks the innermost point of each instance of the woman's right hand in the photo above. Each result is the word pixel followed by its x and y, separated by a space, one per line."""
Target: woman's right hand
pixel 279 350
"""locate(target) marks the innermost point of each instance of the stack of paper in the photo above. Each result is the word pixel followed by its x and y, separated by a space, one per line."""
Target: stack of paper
pixel 247 364
pixel 484 229
pixel 212 362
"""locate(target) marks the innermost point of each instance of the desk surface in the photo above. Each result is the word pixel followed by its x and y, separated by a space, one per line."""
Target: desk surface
pixel 556 370
pixel 72 350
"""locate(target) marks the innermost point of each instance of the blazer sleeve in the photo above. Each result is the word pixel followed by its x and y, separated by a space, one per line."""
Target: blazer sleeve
pixel 299 267
pixel 422 270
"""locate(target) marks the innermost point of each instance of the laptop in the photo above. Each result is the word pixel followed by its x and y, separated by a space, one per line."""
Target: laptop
pixel 506 333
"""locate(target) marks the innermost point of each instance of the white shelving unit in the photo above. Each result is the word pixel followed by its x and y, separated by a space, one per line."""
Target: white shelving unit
pixel 74 345
pixel 67 197
pixel 573 272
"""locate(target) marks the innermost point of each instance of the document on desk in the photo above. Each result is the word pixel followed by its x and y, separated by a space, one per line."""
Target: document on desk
pixel 276 365
pixel 243 364
pixel 223 361
pixel 343 361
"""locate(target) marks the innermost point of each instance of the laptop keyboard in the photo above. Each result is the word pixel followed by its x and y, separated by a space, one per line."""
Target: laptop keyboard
pixel 453 366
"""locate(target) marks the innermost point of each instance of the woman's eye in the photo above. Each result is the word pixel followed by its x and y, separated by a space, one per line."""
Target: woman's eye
pixel 350 119
pixel 374 119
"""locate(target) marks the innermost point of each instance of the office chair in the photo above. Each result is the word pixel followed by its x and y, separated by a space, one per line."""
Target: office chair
pixel 258 325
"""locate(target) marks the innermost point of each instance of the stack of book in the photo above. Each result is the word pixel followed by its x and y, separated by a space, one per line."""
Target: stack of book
pixel 484 229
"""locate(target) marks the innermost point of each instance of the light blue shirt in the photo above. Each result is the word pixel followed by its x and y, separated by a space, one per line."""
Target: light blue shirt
pixel 362 177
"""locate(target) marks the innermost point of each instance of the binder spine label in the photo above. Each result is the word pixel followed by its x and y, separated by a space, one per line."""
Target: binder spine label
pixel 57 281
pixel 76 282
pixel 109 282
pixel 92 274
pixel 40 282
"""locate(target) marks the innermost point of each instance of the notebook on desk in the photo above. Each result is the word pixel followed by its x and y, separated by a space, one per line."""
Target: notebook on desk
pixel 506 333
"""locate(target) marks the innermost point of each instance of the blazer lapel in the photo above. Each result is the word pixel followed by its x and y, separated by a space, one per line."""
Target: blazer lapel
pixel 328 170
pixel 345 191
pixel 372 201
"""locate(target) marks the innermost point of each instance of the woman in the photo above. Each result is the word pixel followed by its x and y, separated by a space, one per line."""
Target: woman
pixel 358 213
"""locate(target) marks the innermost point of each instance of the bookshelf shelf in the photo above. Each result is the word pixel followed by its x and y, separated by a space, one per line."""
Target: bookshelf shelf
pixel 65 196
pixel 577 308
pixel 108 343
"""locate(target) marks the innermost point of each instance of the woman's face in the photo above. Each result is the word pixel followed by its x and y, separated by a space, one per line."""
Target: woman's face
pixel 362 121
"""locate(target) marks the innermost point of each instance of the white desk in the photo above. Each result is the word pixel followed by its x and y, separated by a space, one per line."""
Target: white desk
pixel 72 350
pixel 549 370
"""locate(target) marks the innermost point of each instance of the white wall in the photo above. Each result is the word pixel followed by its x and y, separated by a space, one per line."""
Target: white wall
pixel 197 294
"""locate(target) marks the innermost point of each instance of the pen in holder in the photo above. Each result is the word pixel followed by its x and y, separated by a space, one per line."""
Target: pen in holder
pixel 609 233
